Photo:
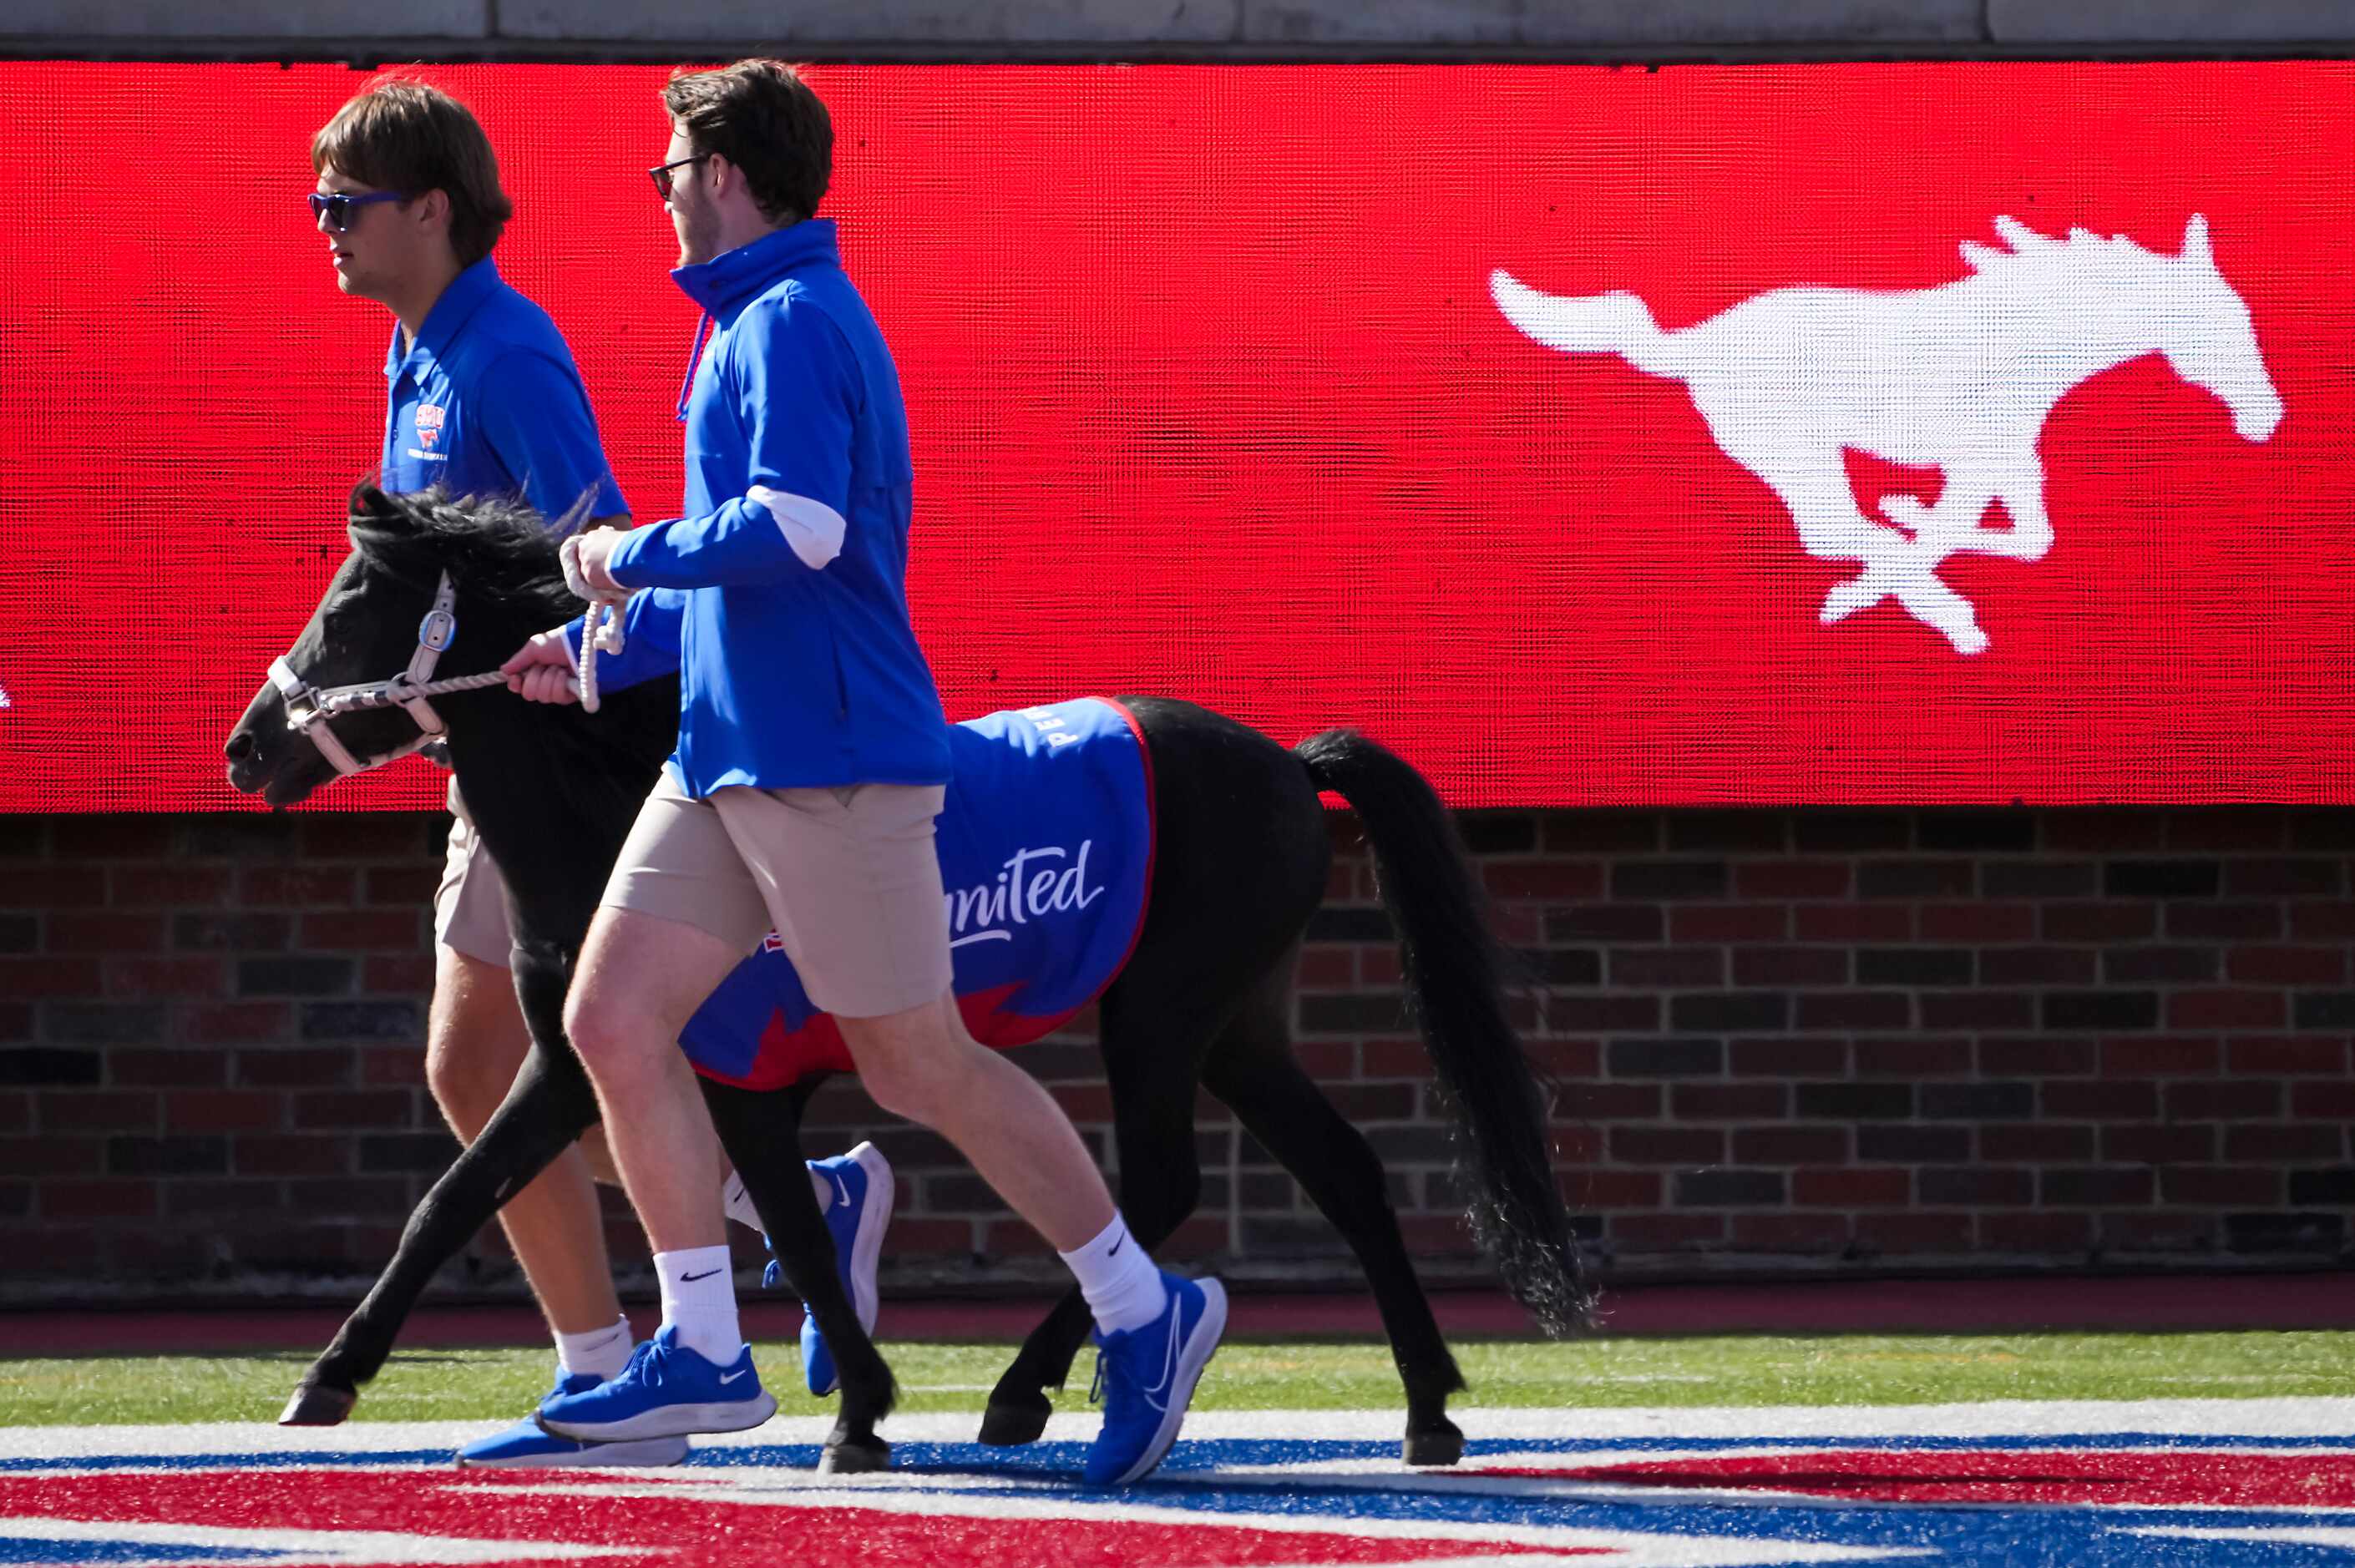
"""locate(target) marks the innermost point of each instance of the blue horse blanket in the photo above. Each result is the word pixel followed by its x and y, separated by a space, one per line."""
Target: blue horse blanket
pixel 1046 846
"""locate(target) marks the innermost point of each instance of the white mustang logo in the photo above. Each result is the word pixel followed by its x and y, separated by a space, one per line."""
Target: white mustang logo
pixel 1959 377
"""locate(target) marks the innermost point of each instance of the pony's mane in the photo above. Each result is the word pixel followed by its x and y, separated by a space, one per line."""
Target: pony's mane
pixel 501 551
pixel 2033 256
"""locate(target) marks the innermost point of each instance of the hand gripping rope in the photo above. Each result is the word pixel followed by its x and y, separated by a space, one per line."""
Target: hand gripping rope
pixel 601 624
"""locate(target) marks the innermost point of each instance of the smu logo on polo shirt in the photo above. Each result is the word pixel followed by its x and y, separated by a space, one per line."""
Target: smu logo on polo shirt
pixel 428 425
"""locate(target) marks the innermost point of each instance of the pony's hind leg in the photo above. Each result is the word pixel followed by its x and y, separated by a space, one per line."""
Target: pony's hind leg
pixel 1253 1069
pixel 761 1134
pixel 1152 1052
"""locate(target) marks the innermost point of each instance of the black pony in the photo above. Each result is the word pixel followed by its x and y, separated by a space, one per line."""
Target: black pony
pixel 1241 864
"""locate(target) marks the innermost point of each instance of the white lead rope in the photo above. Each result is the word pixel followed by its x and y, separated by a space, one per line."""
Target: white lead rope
pixel 600 632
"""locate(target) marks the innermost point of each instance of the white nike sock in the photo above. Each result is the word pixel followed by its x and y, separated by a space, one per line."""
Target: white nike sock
pixel 604 1351
pixel 699 1300
pixel 737 1203
pixel 1123 1288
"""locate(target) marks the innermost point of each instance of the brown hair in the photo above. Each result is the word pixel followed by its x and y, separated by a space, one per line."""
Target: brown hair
pixel 408 137
pixel 761 116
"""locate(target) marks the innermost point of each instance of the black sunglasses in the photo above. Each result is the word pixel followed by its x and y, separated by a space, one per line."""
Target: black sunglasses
pixel 660 173
pixel 337 209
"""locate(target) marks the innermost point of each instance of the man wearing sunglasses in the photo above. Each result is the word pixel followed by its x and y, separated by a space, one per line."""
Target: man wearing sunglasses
pixel 812 759
pixel 482 399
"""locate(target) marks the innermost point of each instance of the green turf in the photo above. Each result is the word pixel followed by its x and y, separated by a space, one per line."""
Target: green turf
pixel 1760 1370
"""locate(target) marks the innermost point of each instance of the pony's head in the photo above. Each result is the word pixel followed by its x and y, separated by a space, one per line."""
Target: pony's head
pixel 2209 340
pixel 374 617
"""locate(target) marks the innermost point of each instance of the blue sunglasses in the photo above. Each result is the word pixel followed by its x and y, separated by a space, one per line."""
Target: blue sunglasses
pixel 337 209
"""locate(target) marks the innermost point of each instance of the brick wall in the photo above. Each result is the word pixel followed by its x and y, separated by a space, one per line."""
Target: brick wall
pixel 1835 1040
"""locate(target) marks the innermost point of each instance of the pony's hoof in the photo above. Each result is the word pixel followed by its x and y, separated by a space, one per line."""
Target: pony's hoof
pixel 1005 1425
pixel 844 1456
pixel 1436 1446
pixel 312 1406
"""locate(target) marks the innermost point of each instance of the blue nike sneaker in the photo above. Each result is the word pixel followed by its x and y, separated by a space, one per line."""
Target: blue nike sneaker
pixel 529 1443
pixel 857 1215
pixel 666 1391
pixel 1148 1377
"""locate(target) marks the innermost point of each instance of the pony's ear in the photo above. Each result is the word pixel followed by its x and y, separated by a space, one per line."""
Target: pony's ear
pixel 2195 240
pixel 369 504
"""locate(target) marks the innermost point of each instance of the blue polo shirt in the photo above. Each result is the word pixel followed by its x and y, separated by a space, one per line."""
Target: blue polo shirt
pixel 780 597
pixel 487 401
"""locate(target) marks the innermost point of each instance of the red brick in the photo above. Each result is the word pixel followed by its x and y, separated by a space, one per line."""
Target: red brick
pixel 1542 878
pixel 34 978
pixel 98 1201
pixel 1913 1056
pixel 1788 1058
pixel 2331 1100
pixel 2099 1099
pixel 1378 966
pixel 1848 923
pixel 315 1067
pixel 1592 1189
pixel 2282 1143
pixel 170 978
pixel 233 1200
pixel 295 1155
pixel 1574 1058
pixel 2228 1100
pixel 343 835
pixel 1611 1101
pixel 1341 883
pixel 2187 1144
pixel 1326 968
pixel 2110 830
pixel 382 930
pixel 1391 1058
pixel 1667 969
pixel 1914 1233
pixel 2223 1186
pixel 1435 1235
pixel 1666 1232
pixel 1729 1102
pixel 52 1155
pixel 2035 1143
pixel 1790 966
pixel 167 1069
pixel 2044 1233
pixel 359 1109
pixel 238 1023
pixel 2038 966
pixel 2161 1058
pixel 81 889
pixel 2286 966
pixel 2226 828
pixel 1812 878
pixel 2099 922
pixel 297 887
pixel 226 1110
pixel 1729 923
pixel 2287 1054
pixel 1084 1102
pixel 1666 1145
pixel 2227 1009
pixel 1320 1059
pixel 168 886
pixel 2037 1058
pixel 411 885
pixel 1821 1235
pixel 1979 922
pixel 2167 1230
pixel 1790 1145
pixel 99 1111
pixel 111 837
pixel 2327 920
pixel 1851 1186
pixel 15 1113
pixel 103 931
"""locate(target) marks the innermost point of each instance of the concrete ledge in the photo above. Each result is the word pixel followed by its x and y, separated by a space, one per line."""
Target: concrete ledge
pixel 880 22
pixel 2170 21
pixel 132 21
pixel 1615 23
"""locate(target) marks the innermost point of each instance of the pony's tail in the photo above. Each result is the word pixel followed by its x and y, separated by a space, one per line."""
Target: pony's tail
pixel 1617 324
pixel 1454 979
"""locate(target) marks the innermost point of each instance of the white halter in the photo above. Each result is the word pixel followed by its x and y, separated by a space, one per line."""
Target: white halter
pixel 309 709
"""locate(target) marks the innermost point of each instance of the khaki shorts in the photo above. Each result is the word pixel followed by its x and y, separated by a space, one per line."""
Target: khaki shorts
pixel 470 907
pixel 848 878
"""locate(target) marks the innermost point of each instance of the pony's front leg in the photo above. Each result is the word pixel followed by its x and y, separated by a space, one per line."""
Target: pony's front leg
pixel 548 1110
pixel 761 1135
